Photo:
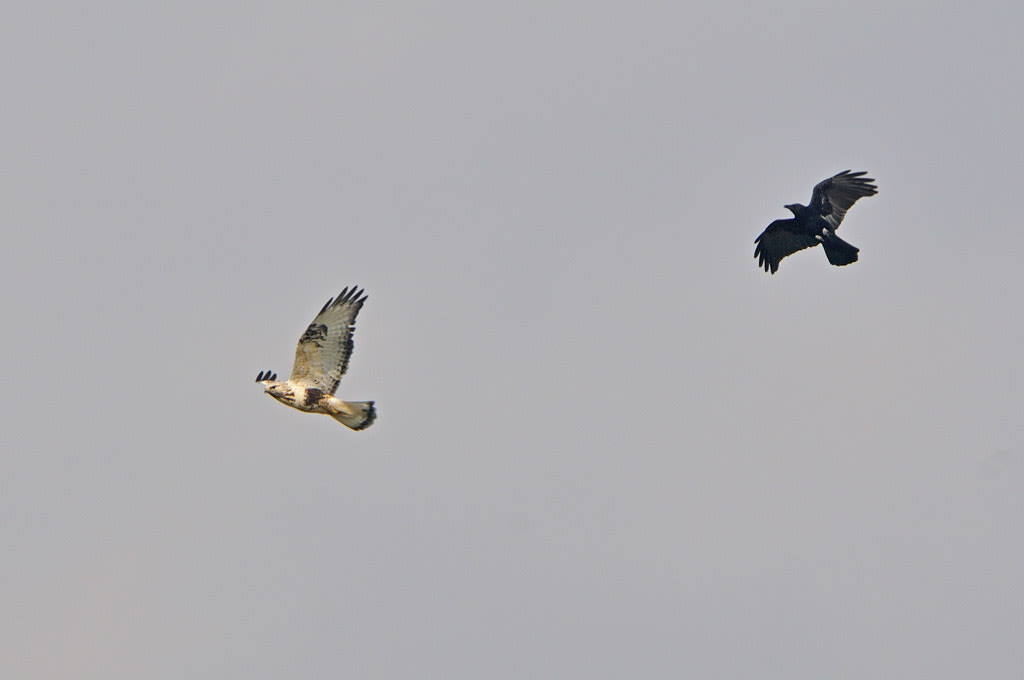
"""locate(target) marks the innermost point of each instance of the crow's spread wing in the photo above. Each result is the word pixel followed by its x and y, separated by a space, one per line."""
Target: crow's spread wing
pixel 321 357
pixel 778 241
pixel 834 196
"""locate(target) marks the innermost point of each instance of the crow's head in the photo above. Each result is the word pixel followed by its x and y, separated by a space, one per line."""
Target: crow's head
pixel 794 208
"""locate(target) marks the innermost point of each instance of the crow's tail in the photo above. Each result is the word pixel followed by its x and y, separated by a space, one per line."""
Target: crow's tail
pixel 838 251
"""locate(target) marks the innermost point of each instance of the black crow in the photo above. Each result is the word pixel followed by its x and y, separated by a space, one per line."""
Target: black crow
pixel 816 223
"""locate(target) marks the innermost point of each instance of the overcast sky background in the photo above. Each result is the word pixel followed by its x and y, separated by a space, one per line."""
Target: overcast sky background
pixel 608 444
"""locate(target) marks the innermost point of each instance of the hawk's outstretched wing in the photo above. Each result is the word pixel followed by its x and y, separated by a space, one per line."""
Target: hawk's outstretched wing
pixel 780 240
pixel 321 357
pixel 832 197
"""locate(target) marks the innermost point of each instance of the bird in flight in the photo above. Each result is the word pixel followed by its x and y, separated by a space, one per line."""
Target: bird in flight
pixel 816 223
pixel 321 358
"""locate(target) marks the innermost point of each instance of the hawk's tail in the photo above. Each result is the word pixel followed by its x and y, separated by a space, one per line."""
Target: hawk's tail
pixel 357 415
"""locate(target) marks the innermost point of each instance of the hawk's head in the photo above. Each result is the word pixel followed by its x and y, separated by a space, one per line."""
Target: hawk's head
pixel 269 380
pixel 278 390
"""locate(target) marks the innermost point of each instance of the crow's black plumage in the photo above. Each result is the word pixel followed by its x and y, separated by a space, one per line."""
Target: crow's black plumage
pixel 816 223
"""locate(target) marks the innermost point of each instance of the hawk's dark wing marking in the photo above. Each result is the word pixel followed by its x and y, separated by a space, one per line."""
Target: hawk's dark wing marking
pixel 322 355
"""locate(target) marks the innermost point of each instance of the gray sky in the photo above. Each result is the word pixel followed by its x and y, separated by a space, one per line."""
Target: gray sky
pixel 608 444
